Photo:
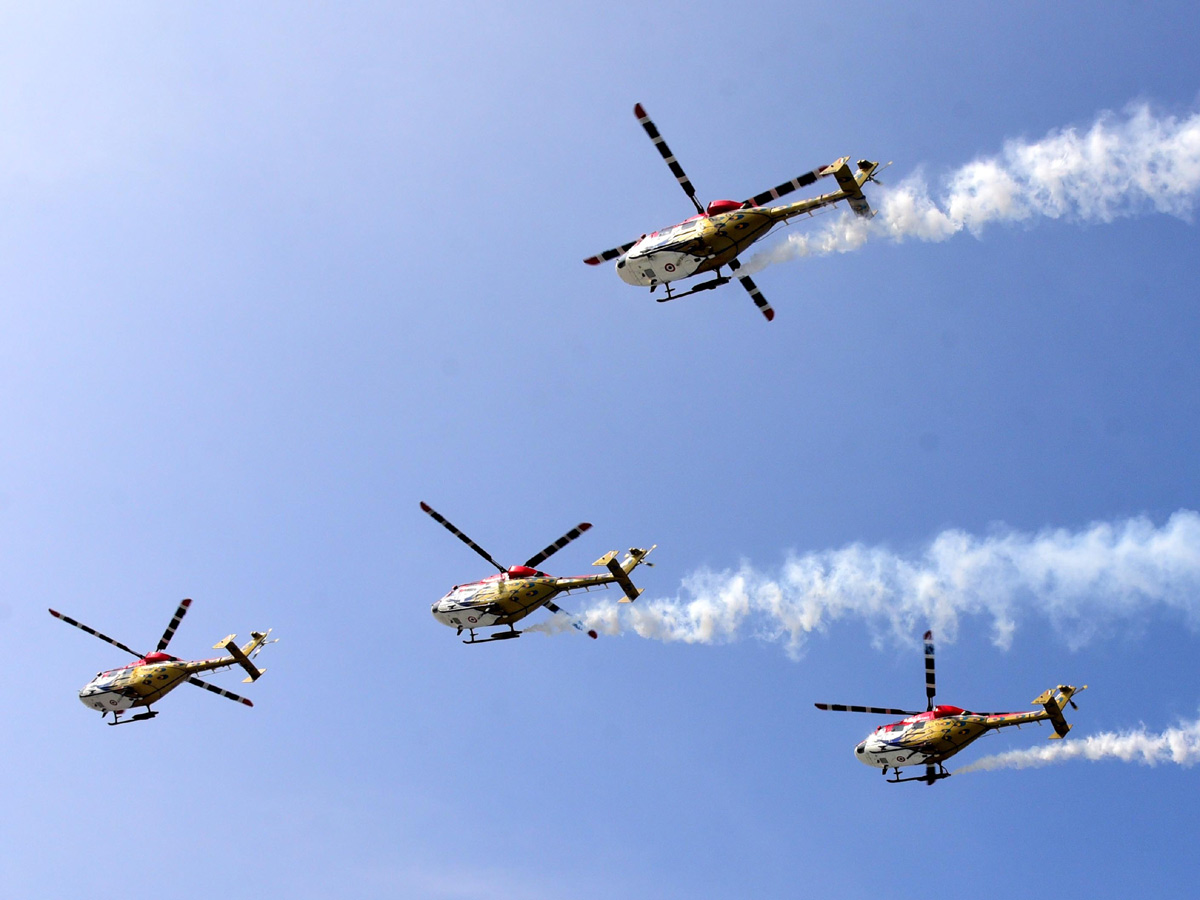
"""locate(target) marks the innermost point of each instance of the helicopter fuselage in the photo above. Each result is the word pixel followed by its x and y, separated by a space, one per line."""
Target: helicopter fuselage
pixel 143 682
pixel 700 244
pixel 506 597
pixel 932 737
pixel 927 738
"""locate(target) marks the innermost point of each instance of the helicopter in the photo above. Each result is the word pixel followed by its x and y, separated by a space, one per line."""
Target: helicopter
pixel 153 675
pixel 511 595
pixel 931 737
pixel 719 232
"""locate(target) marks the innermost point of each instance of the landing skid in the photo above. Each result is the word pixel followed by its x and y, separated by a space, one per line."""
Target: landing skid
pixel 501 636
pixel 929 777
pixel 706 286
pixel 140 717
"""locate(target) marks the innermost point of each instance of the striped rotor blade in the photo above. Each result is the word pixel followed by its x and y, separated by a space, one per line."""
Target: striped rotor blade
pixel 667 155
pixel 93 632
pixel 755 294
pixel 930 677
pixel 175 620
pixel 212 688
pixel 788 186
pixel 877 710
pixel 458 534
pixel 609 254
pixel 546 552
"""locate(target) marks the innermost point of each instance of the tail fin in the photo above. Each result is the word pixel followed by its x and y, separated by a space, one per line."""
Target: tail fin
pixel 851 184
pixel 620 570
pixel 242 655
pixel 1054 701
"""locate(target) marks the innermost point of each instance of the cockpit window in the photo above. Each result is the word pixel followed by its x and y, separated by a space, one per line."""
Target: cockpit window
pixel 463 594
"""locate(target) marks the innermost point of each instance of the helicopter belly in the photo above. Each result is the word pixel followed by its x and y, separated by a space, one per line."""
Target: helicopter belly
pixel 658 267
pixel 105 700
pixel 892 756
pixel 466 617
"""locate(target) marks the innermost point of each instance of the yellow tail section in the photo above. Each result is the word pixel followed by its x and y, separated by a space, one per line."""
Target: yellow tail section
pixel 1054 701
pixel 851 184
pixel 242 655
pixel 620 570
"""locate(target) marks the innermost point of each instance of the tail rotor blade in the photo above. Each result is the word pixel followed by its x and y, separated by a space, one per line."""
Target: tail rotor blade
pixel 438 517
pixel 930 677
pixel 876 710
pixel 668 157
pixel 755 294
pixel 538 558
pixel 94 632
pixel 175 620
pixel 230 695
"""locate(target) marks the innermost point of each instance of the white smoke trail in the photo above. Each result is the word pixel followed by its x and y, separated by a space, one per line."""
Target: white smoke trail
pixel 1080 580
pixel 1121 166
pixel 1180 746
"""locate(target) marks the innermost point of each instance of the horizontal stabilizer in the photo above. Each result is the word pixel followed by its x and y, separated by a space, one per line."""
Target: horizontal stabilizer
pixel 623 579
pixel 620 570
pixel 852 186
pixel 240 655
pixel 1053 702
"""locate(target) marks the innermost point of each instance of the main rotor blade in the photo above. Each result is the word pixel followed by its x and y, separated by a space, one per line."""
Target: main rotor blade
pixel 609 254
pixel 94 632
pixel 752 289
pixel 668 157
pixel 192 679
pixel 458 534
pixel 175 620
pixel 538 558
pixel 930 677
pixel 788 186
pixel 877 710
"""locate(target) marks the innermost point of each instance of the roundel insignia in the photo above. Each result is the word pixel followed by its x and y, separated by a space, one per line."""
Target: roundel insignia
pixel 472 619
pixel 670 267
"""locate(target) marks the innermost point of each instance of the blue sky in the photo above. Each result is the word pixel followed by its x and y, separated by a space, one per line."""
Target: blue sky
pixel 274 275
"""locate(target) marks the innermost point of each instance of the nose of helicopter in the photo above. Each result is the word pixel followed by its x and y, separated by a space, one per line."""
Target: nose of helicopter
pixel 87 695
pixel 627 273
pixel 861 754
